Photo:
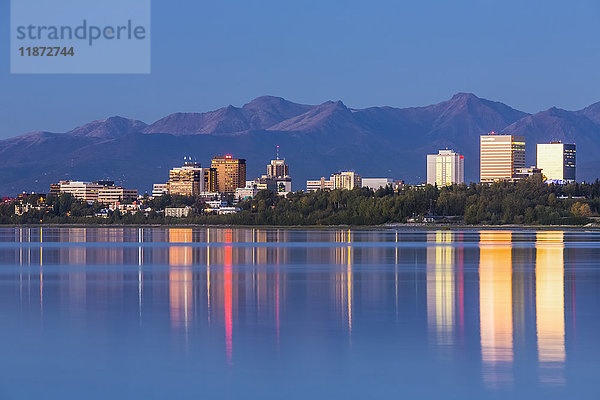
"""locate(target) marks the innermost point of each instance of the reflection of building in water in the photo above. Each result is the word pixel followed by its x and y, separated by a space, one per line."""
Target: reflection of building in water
pixel 550 306
pixel 73 255
pixel 495 306
pixel 180 255
pixel 228 293
pixel 441 286
pixel 180 278
pixel 344 278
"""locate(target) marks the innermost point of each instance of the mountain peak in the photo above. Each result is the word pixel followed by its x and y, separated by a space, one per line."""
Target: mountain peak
pixel 111 127
pixel 464 96
pixel 263 101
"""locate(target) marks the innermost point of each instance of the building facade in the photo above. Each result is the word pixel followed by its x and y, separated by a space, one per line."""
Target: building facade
pixel 116 194
pixel 500 157
pixel 210 180
pixel 187 180
pixel 277 168
pixel 557 161
pixel 231 173
pixel 85 191
pixel 177 212
pixel 319 184
pixel 159 189
pixel 342 180
pixel 377 183
pixel 445 168
pixel 346 180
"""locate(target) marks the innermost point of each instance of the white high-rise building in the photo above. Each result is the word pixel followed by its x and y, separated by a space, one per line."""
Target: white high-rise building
pixel 557 161
pixel 445 168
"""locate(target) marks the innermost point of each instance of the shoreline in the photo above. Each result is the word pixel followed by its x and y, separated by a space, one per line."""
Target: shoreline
pixel 385 227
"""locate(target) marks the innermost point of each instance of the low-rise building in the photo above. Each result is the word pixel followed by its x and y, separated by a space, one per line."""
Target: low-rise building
pixel 21 209
pixel 216 204
pixel 321 184
pixel 177 212
pixel 249 191
pixel 160 189
pixel 523 173
pixel 85 191
pixel 281 185
pixel 116 194
pixel 342 180
pixel 377 183
pixel 227 210
pixel 132 208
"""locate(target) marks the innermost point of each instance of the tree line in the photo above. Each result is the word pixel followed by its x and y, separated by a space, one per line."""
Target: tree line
pixel 529 201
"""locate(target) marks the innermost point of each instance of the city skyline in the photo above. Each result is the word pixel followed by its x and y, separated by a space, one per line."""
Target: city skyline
pixel 315 138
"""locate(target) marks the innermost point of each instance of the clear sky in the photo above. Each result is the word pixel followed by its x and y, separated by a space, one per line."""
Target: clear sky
pixel 207 54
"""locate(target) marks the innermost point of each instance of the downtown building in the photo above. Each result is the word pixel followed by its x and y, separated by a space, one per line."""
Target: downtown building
pixel 378 183
pixel 276 180
pixel 347 180
pixel 85 191
pixel 230 173
pixel 101 191
pixel 557 161
pixel 116 194
pixel 501 157
pixel 191 180
pixel 445 168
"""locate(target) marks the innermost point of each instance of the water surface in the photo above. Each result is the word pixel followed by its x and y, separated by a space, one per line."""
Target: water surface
pixel 277 313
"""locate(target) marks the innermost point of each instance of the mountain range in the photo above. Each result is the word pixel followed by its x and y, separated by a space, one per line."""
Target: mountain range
pixel 316 140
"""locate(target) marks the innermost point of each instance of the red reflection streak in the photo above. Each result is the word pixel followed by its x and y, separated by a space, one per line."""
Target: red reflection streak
pixel 228 298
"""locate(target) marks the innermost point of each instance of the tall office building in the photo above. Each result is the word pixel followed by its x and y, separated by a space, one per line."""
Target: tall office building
pixel 210 180
pixel 187 180
pixel 557 161
pixel 231 173
pixel 500 157
pixel 277 168
pixel 445 168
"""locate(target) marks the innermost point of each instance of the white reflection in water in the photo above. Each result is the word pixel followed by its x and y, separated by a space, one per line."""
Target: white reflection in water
pixel 241 280
pixel 550 306
pixel 441 287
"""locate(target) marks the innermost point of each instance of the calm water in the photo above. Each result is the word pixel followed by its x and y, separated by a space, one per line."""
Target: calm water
pixel 274 313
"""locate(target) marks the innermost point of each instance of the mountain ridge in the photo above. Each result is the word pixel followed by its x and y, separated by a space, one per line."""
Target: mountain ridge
pixel 316 140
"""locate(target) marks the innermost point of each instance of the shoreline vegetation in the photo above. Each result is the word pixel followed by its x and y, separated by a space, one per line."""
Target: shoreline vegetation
pixel 527 203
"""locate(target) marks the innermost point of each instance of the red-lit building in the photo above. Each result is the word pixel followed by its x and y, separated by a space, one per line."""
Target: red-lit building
pixel 231 173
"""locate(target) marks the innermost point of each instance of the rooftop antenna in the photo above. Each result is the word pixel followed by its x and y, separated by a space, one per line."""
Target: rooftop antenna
pixel 278 152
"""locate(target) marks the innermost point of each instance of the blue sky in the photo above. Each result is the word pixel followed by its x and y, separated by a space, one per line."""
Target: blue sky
pixel 207 54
